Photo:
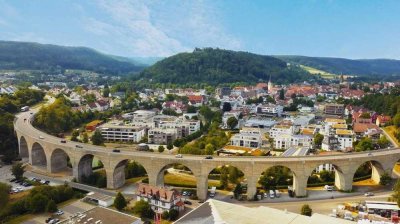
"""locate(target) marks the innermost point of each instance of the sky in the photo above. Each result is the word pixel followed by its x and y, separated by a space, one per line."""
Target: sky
pixel 150 28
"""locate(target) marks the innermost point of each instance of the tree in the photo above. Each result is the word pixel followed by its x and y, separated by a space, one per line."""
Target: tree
pixel 383 142
pixel 74 135
pixel 119 202
pixel 37 203
pixel 233 174
pixel 4 195
pixel 209 149
pixel 237 191
pixel 51 206
pixel 18 170
pixel 385 179
pixel 97 138
pixel 161 149
pixel 85 137
pixel 232 122
pixel 191 109
pixel 396 120
pixel 143 209
pixel 364 145
pixel 306 210
pixel 106 91
pixel 165 215
pixel 223 179
pixel 318 140
pixel 226 107
pixel 396 192
pixel 281 94
pixel 173 214
pixel 170 146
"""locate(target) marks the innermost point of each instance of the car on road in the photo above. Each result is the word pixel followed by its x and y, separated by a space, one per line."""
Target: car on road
pixel 79 146
pixel 209 157
pixel 179 156
pixel 328 188
pixel 368 194
pixel 184 193
pixel 63 141
pixel 53 221
pixel 48 219
pixel 41 137
pixel 59 212
pixel 116 150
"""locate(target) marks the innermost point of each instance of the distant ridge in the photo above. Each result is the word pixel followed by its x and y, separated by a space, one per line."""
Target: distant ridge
pixel 35 56
pixel 368 67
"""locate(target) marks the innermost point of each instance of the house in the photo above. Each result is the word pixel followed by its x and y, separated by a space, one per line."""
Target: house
pixel 228 115
pixel 367 130
pixel 286 141
pixel 177 106
pixel 381 120
pixel 160 199
pixel 196 100
pixel 345 139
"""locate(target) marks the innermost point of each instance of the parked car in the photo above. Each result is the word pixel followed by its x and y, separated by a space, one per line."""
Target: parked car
pixel 116 150
pixel 48 219
pixel 41 137
pixel 63 141
pixel 13 180
pixel 271 194
pixel 178 156
pixel 47 182
pixel 368 194
pixel 184 193
pixel 59 212
pixel 53 221
pixel 209 157
pixel 328 188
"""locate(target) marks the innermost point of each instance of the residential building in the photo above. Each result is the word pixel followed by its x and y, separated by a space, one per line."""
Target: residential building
pixel 248 137
pixel 118 131
pixel 270 109
pixel 334 109
pixel 196 100
pixel 381 120
pixel 367 130
pixel 345 139
pixel 285 141
pixel 160 199
pixel 281 129
pixel 227 115
pixel 162 136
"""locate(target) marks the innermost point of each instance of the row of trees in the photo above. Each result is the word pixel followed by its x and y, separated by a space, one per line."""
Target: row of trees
pixel 10 104
pixel 40 199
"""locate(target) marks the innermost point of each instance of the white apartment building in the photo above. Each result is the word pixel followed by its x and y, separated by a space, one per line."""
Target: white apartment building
pixel 187 126
pixel 272 109
pixel 249 137
pixel 284 141
pixel 114 131
pixel 345 139
pixel 281 129
pixel 327 167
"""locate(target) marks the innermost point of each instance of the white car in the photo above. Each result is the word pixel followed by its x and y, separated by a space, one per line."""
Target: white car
pixel 368 194
pixel 178 156
pixel 328 188
pixel 59 212
pixel 41 137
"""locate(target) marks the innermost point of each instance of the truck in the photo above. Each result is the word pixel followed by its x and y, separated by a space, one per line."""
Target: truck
pixel 24 108
pixel 212 191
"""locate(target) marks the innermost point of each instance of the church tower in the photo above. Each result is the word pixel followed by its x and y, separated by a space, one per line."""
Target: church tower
pixel 269 84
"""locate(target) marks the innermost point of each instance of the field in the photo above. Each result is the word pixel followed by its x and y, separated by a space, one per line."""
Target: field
pixel 185 180
pixel 314 71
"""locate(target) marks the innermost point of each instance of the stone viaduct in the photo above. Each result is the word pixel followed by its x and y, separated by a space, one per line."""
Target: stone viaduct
pixel 50 153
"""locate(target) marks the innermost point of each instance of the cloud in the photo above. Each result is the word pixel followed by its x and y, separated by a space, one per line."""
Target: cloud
pixel 155 28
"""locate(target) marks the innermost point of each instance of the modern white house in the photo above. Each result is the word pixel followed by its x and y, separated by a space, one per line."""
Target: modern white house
pixel 249 137
pixel 271 109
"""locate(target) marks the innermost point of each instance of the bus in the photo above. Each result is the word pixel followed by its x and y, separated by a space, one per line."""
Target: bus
pixel 24 108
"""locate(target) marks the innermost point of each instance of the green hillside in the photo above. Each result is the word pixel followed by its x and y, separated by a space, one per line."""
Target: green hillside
pixel 368 67
pixel 216 66
pixel 34 56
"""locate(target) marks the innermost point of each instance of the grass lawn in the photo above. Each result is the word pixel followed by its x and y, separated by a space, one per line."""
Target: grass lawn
pixel 390 130
pixel 17 196
pixel 187 180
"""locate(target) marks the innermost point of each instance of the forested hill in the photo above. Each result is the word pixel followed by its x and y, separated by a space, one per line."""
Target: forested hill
pixel 34 56
pixel 347 66
pixel 216 66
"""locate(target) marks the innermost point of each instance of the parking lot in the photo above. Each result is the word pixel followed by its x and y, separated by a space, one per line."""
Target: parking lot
pixel 69 210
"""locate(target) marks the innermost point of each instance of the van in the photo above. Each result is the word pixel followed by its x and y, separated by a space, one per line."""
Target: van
pixel 271 194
